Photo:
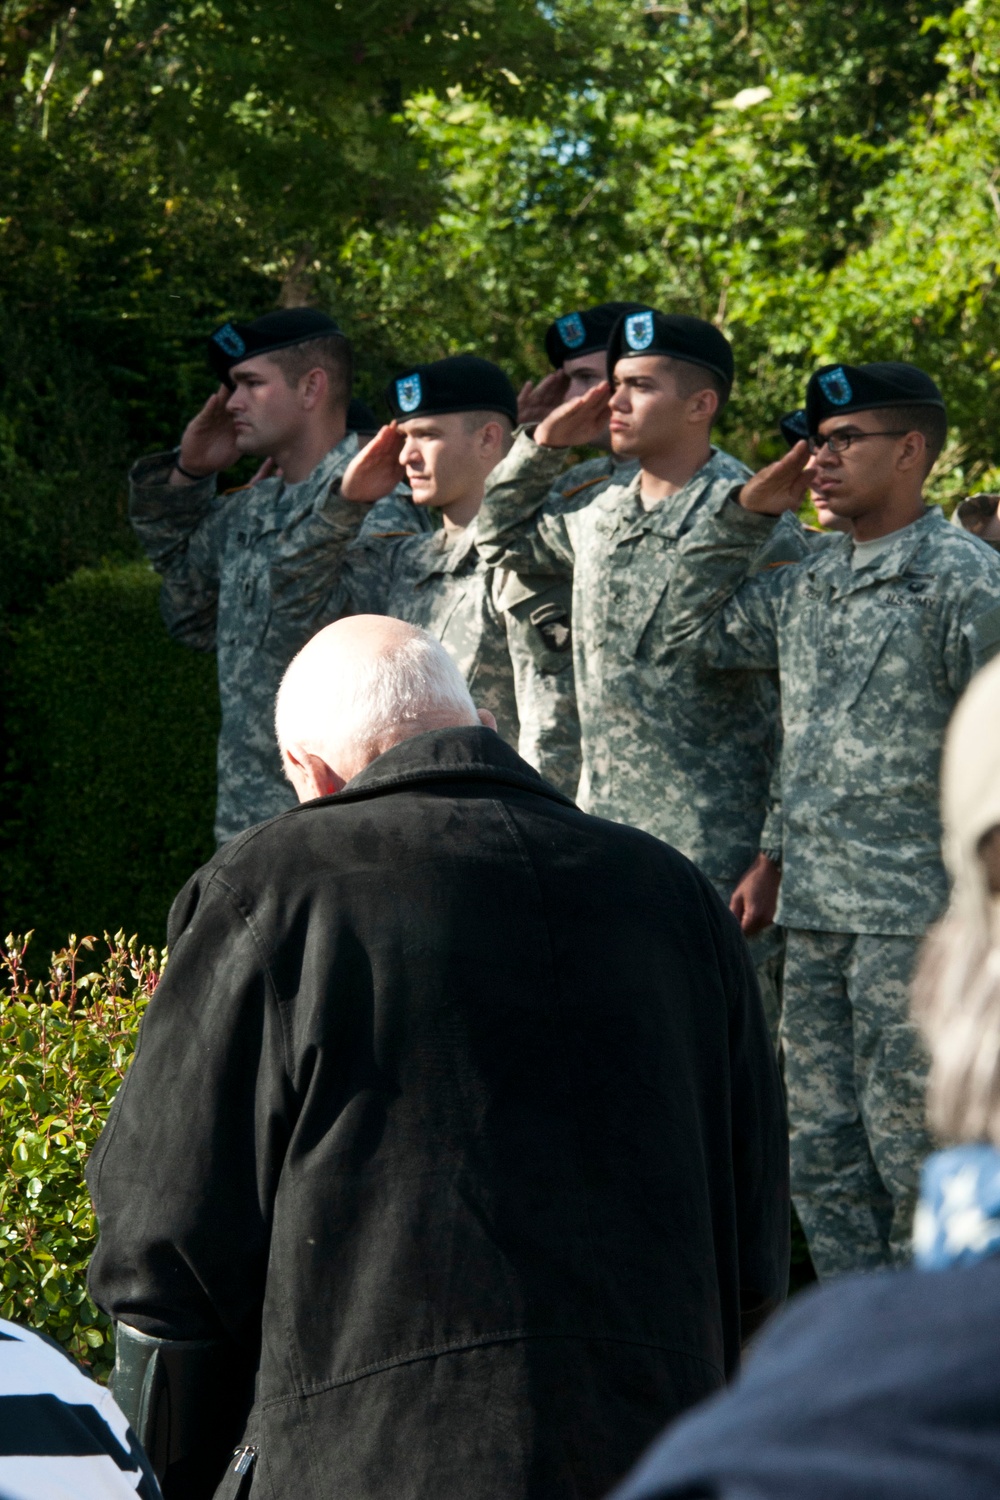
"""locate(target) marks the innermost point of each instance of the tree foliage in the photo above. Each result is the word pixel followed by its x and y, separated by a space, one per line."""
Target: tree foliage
pixel 822 180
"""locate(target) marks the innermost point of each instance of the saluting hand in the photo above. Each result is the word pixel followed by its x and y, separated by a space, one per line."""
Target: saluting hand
pixel 376 470
pixel 577 422
pixel 779 487
pixel 209 441
pixel 534 402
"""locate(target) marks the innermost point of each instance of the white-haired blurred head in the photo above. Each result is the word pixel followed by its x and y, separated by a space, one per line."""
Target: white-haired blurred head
pixel 957 989
pixel 358 688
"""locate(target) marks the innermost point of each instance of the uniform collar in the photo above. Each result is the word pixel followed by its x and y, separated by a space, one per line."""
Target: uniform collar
pixel 893 562
pixel 668 518
pixel 449 551
pixel 331 466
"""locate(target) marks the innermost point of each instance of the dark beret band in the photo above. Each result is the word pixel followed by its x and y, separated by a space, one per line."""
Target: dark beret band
pixel 673 334
pixel 463 382
pixel 235 342
pixel 836 390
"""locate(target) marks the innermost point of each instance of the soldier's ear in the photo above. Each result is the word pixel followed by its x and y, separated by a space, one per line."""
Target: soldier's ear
pixel 314 387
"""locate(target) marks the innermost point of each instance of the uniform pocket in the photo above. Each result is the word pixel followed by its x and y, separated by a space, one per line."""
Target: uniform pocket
pixel 858 673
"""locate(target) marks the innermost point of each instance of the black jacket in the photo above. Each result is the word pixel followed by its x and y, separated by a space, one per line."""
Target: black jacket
pixel 879 1387
pixel 456 1108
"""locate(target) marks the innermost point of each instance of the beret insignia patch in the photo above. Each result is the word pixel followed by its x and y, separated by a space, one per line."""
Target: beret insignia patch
pixel 835 387
pixel 229 341
pixel 571 330
pixel 639 330
pixel 409 392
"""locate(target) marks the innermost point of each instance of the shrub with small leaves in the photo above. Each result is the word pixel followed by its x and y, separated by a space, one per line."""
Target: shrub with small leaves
pixel 65 1044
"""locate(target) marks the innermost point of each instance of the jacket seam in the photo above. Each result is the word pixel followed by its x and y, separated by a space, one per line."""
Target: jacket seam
pixel 502 1336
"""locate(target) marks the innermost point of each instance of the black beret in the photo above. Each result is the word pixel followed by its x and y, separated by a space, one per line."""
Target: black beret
pixel 584 332
pixel 360 417
pixel 794 427
pixel 463 382
pixel 234 342
pixel 836 390
pixel 690 339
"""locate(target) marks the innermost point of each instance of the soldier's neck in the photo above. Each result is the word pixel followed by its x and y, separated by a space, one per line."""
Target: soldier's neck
pixel 301 453
pixel 663 474
pixel 457 514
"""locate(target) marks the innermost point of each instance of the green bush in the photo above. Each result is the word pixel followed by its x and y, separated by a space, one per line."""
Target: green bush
pixel 65 1043
pixel 110 779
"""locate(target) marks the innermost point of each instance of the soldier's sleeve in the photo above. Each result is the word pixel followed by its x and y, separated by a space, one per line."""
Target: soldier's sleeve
pixel 368 569
pixel 184 1174
pixel 712 561
pixel 974 636
pixel 179 528
pixel 719 602
pixel 537 611
pixel 520 526
pixel 314 585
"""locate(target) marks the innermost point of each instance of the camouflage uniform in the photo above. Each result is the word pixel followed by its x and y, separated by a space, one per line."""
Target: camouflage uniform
pixel 540 610
pixel 248 575
pixel 871 662
pixel 438 581
pixel 668 745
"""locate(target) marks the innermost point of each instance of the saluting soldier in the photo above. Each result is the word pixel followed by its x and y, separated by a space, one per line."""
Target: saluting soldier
pixel 453 422
pixel 542 648
pixel 247 574
pixel 874 635
pixel 668 745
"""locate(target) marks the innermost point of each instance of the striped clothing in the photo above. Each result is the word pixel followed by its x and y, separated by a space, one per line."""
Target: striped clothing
pixel 61 1435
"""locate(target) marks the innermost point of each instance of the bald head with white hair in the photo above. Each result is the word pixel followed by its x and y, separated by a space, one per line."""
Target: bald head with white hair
pixel 356 689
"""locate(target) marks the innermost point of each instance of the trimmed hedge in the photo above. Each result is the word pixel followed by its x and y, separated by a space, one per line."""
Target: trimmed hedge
pixel 110 777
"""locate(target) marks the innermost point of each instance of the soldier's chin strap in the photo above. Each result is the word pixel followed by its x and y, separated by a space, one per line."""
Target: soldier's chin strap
pixel 168 1390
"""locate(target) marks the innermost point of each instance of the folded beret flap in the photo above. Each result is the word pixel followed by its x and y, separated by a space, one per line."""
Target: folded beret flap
pixel 462 382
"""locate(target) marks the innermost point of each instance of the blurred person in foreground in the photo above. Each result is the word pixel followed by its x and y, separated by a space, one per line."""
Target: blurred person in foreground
pixel 454 1125
pixel 62 1436
pixel 887 1386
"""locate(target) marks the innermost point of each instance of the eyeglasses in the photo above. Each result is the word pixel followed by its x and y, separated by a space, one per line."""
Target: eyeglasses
pixel 839 442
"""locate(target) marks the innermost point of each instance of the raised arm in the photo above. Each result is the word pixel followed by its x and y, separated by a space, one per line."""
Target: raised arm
pixel 179 522
pixel 716 560
pixel 521 526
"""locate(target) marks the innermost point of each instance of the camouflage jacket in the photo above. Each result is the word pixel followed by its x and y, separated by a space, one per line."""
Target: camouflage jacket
pixel 248 575
pixel 871 662
pixel 668 744
pixel 438 581
pixel 539 634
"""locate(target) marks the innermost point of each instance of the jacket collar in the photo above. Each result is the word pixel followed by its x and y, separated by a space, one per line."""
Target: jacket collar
pixel 464 754
pixel 670 516
pixel 891 563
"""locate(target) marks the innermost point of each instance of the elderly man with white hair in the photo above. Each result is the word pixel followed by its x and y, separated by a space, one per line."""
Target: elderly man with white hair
pixel 452 1161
